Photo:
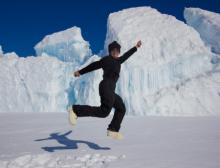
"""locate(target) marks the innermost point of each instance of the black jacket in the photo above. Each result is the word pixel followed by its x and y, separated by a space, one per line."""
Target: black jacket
pixel 111 66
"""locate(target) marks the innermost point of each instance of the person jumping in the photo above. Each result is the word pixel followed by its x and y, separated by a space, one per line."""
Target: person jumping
pixel 111 66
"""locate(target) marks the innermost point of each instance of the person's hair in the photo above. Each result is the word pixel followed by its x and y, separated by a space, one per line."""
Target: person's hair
pixel 114 45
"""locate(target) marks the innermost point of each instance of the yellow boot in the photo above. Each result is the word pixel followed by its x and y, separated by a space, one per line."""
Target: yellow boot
pixel 72 116
pixel 114 135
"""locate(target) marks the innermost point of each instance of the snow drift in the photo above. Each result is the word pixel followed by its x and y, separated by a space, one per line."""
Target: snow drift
pixel 171 74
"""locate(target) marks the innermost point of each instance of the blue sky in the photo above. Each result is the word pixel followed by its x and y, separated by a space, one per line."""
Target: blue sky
pixel 25 22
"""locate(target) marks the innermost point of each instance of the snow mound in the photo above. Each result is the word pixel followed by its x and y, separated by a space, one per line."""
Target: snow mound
pixel 50 161
pixel 67 45
pixel 207 24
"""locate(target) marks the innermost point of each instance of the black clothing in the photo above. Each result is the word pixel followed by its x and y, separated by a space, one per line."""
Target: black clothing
pixel 109 98
pixel 111 66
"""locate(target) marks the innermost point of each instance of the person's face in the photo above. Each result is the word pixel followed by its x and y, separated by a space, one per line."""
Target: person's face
pixel 114 53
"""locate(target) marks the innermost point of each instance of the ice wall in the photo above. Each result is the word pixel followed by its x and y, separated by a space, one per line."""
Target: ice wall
pixel 172 74
pixel 207 23
pixel 45 83
pixel 67 45
pixel 172 54
pixel 32 84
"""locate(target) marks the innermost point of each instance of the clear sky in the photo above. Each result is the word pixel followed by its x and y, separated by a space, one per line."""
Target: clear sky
pixel 23 23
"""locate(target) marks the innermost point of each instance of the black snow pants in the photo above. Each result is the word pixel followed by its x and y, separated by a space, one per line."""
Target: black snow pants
pixel 109 99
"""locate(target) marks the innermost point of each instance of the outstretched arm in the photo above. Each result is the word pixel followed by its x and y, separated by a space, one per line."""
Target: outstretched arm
pixel 126 55
pixel 91 67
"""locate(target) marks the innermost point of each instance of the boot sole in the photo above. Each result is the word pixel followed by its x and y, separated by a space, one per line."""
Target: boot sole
pixel 72 117
pixel 114 135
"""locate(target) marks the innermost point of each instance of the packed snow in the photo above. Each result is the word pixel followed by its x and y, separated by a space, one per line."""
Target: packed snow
pixel 207 23
pixel 46 140
pixel 172 74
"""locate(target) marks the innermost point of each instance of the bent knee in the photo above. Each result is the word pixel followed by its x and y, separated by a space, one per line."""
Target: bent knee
pixel 104 115
pixel 122 109
pixel 105 112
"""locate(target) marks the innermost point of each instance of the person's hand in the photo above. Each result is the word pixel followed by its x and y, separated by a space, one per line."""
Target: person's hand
pixel 138 44
pixel 76 74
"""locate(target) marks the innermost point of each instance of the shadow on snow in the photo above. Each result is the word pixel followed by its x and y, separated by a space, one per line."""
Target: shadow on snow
pixel 68 143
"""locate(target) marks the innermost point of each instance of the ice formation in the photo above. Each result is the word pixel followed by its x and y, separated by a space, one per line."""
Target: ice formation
pixel 172 74
pixel 65 45
pixel 207 24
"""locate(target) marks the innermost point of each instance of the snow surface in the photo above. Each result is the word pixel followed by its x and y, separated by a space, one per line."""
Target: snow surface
pixel 207 23
pixel 172 74
pixel 45 140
